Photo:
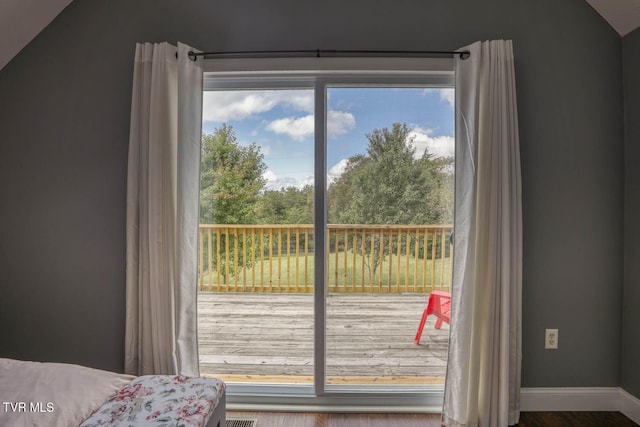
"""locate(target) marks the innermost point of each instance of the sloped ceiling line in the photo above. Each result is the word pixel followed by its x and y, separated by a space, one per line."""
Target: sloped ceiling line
pixel 21 21
pixel 622 15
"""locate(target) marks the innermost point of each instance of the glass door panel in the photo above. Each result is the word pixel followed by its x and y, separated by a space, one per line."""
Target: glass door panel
pixel 256 269
pixel 390 157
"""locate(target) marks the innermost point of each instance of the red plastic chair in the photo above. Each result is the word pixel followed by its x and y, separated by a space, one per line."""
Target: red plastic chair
pixel 440 306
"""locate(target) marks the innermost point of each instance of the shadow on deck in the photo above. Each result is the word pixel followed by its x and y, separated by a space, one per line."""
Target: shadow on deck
pixel 268 338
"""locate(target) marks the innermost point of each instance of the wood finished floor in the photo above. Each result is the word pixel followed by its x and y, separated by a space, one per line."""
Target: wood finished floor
pixel 269 338
pixel 527 419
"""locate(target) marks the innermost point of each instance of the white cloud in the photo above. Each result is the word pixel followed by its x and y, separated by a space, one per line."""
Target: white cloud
pixel 284 182
pixel 222 106
pixel 338 123
pixel 446 94
pixel 308 180
pixel 336 170
pixel 439 146
pixel 300 100
pixel 275 182
pixel 296 128
pixel 269 176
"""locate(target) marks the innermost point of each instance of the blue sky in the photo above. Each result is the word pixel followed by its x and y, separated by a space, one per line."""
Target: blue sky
pixel 280 122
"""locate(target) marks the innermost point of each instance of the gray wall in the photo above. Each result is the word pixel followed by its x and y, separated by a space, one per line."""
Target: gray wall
pixel 65 103
pixel 630 371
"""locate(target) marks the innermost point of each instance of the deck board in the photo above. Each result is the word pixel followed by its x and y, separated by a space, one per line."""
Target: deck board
pixel 260 337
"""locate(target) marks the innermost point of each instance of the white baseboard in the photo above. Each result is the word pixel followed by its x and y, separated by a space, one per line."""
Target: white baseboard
pixel 580 399
pixel 570 399
pixel 630 406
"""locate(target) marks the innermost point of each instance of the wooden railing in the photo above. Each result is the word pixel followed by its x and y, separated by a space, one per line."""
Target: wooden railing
pixel 360 258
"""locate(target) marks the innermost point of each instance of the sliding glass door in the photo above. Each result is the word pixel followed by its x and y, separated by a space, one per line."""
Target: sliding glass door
pixel 326 211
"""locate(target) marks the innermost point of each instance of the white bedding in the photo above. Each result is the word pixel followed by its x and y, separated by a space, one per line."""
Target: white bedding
pixel 52 394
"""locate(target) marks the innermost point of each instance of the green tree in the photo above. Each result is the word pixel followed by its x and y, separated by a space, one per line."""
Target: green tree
pixel 394 186
pixel 231 178
pixel 342 192
pixel 390 185
pixel 444 191
pixel 290 205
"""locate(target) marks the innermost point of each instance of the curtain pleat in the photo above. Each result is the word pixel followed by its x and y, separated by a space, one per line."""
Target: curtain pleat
pixel 483 371
pixel 162 212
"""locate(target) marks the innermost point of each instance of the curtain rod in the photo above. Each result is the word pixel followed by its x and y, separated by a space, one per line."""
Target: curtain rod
pixel 332 53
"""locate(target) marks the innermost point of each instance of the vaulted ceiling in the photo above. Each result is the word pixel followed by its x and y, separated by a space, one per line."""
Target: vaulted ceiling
pixel 623 15
pixel 22 20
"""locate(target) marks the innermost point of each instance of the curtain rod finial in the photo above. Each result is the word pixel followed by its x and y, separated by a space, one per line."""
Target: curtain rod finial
pixel 465 54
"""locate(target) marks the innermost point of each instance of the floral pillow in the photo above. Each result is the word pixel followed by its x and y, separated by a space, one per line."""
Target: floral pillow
pixel 161 401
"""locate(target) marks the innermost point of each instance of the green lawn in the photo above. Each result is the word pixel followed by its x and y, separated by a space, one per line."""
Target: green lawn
pixel 279 274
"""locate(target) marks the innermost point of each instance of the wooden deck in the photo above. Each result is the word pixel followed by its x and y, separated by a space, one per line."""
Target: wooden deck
pixel 269 338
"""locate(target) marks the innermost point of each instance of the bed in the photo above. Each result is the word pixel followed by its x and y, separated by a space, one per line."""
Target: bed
pixel 60 394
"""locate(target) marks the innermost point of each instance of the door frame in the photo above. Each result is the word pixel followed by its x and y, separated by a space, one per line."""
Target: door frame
pixel 318 74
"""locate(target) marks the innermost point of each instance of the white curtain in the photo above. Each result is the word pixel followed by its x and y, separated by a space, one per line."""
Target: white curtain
pixel 483 372
pixel 162 211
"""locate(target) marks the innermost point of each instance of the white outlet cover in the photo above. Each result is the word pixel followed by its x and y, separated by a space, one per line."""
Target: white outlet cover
pixel 551 339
